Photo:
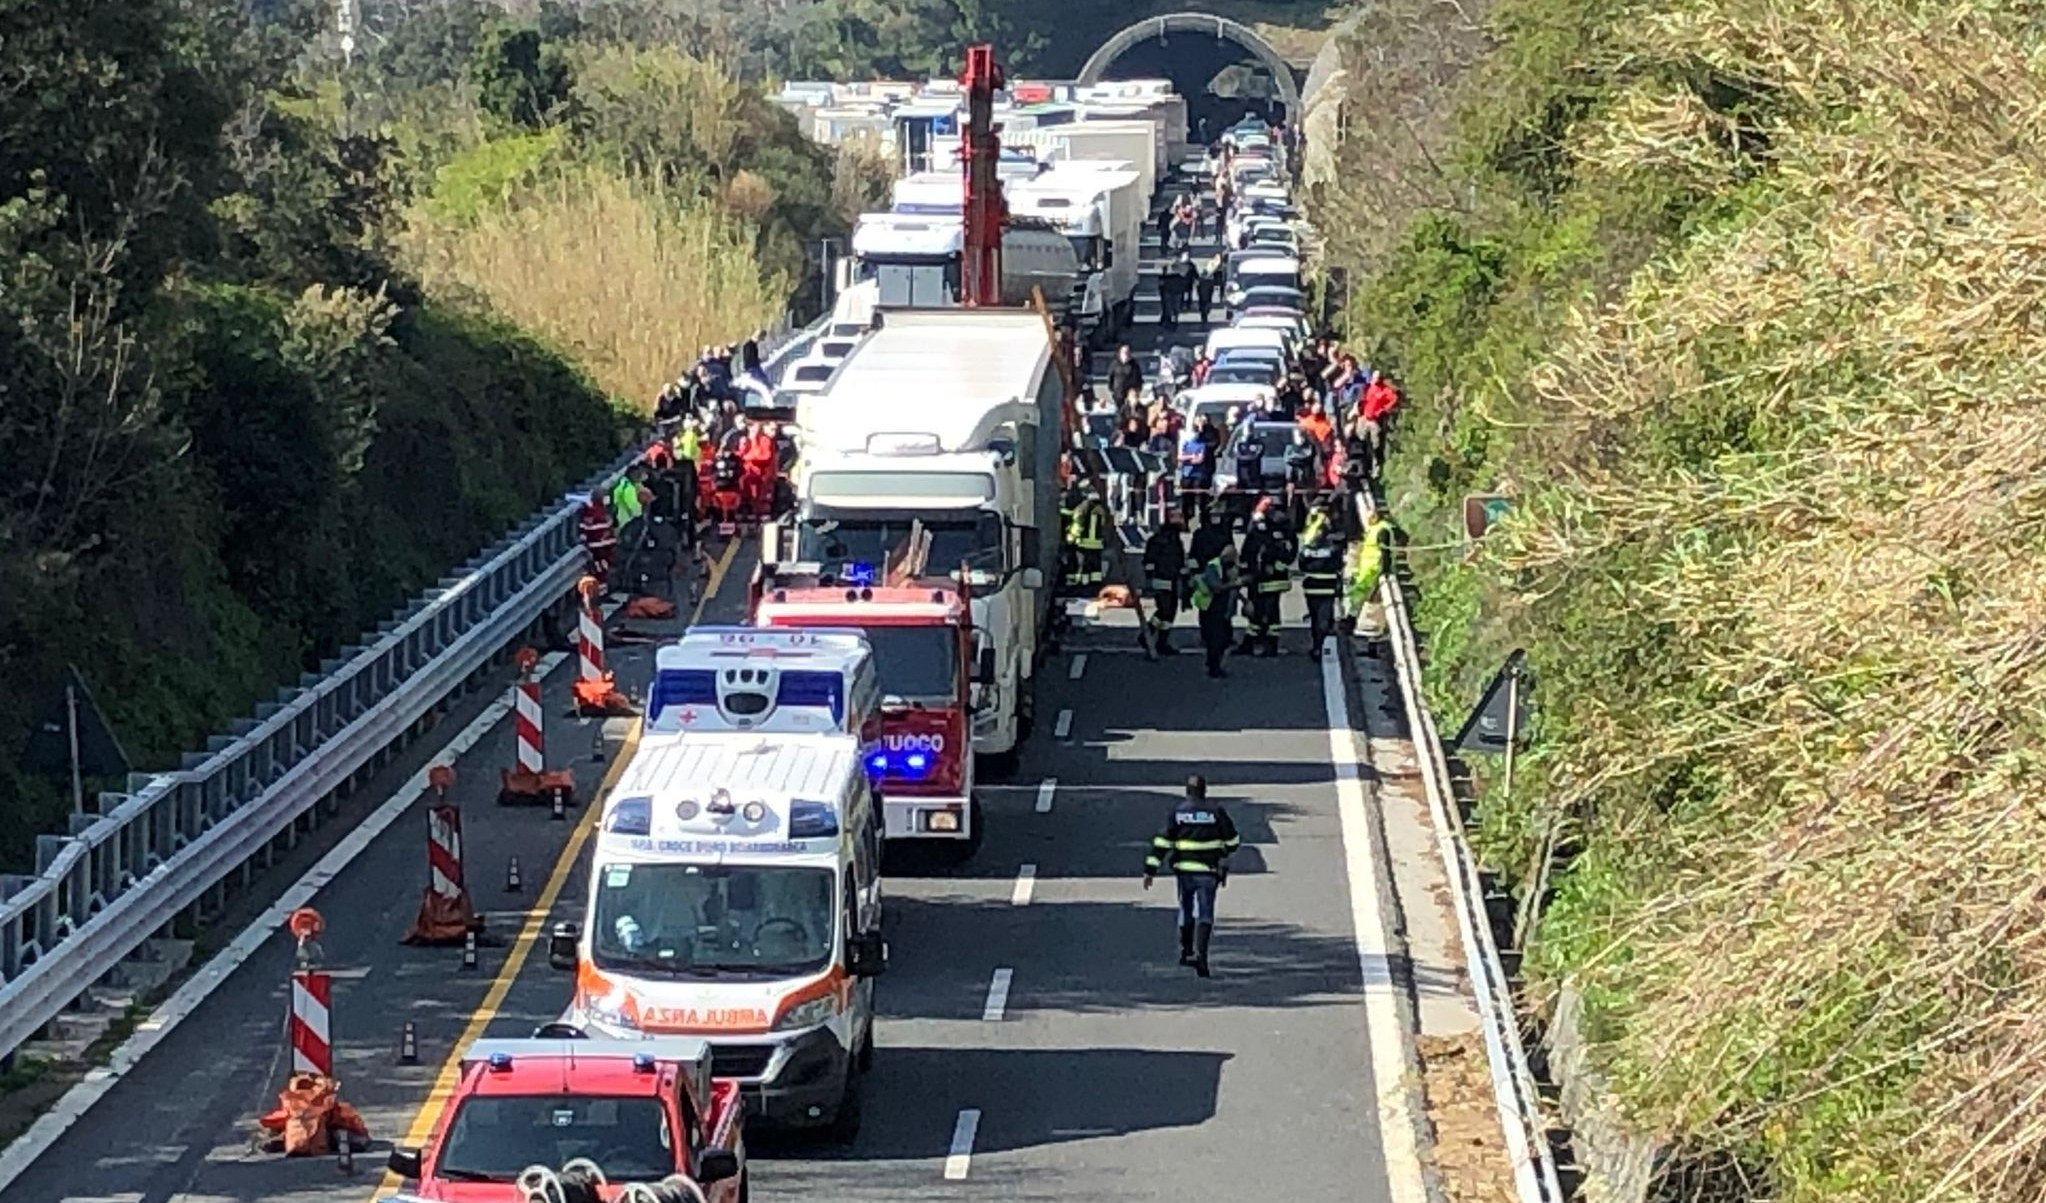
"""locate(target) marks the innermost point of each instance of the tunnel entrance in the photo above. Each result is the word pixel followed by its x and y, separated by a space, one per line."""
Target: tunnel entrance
pixel 1222 68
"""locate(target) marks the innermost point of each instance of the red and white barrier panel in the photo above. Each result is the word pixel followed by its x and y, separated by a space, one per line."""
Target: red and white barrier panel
pixel 312 1040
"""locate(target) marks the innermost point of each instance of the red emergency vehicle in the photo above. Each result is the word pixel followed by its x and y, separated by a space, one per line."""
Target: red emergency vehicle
pixel 921 630
pixel 641 1110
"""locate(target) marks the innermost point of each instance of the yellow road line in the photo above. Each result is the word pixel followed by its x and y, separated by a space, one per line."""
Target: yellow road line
pixel 536 919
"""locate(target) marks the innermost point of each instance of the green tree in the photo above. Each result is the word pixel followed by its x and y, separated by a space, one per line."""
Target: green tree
pixel 521 78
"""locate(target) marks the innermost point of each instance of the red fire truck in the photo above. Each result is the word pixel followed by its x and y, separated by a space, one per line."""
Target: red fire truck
pixel 641 1110
pixel 921 629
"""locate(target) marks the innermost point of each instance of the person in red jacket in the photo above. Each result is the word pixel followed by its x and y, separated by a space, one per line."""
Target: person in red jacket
pixel 1380 399
pixel 757 455
pixel 594 527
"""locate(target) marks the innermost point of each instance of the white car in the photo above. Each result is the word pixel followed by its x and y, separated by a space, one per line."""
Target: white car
pixel 1293 325
pixel 1216 400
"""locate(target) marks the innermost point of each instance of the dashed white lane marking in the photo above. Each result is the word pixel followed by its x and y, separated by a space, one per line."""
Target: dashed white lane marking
pixel 1063 729
pixel 961 1158
pixel 1384 1033
pixel 1045 789
pixel 997 995
pixel 1026 881
pixel 1079 667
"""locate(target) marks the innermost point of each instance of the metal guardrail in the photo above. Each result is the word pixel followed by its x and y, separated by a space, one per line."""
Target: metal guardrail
pixel 1513 1086
pixel 122 875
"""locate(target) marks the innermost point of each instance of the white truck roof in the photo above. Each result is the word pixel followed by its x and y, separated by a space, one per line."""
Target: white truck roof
pixel 962 359
pixel 716 796
pixel 883 234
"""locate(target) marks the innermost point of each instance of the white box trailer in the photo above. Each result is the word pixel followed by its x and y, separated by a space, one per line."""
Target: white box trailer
pixel 1134 142
pixel 949 420
pixel 1098 207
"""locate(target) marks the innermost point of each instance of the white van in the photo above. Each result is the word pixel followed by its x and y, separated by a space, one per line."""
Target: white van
pixel 1231 337
pixel 1284 272
pixel 735 894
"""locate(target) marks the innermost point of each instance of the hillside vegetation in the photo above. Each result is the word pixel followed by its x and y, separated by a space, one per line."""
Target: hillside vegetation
pixel 282 340
pixel 1737 298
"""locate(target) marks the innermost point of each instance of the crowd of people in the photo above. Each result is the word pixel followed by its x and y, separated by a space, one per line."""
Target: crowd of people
pixel 1300 525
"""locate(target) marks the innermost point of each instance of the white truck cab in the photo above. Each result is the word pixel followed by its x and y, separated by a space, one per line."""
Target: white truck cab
pixel 735 894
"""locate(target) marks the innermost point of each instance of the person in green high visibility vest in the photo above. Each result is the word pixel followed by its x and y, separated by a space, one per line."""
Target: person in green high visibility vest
pixel 1214 572
pixel 1367 563
pixel 625 503
pixel 1084 534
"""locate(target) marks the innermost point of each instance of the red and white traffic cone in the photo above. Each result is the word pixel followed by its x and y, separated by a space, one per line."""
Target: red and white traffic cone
pixel 445 911
pixel 310 1118
pixel 312 1034
pixel 529 780
pixel 596 693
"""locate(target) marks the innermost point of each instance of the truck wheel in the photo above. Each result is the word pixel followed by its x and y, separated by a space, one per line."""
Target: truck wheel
pixel 845 1124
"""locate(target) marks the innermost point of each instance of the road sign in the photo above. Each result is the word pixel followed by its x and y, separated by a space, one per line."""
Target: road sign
pixel 1499 711
pixel 1483 511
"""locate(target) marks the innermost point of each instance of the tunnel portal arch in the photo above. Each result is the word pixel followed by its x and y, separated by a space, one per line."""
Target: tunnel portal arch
pixel 1218 27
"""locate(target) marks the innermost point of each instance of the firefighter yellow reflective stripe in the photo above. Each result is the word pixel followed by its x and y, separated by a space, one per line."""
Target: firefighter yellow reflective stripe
pixel 1201 845
pixel 1191 866
pixel 1277 586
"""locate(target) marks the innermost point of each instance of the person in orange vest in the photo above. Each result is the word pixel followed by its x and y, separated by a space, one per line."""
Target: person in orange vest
pixel 758 454
pixel 598 537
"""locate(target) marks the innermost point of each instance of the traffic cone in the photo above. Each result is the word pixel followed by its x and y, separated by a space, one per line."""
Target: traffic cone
pixel 445 911
pixel 530 780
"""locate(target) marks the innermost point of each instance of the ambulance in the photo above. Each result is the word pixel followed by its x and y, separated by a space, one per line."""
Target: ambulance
pixel 735 895
pixel 780 682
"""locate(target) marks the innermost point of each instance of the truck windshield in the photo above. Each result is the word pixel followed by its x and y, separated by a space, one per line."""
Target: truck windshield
pixel 691 920
pixel 855 541
pixel 493 1137
pixel 927 284
pixel 916 664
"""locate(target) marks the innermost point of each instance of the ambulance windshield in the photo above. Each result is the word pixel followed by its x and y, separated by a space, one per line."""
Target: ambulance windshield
pixel 714 920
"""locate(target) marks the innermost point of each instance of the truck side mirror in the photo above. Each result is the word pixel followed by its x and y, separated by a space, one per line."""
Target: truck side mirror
pixel 1033 578
pixel 984 665
pixel 716 1165
pixel 866 955
pixel 404 1162
pixel 561 946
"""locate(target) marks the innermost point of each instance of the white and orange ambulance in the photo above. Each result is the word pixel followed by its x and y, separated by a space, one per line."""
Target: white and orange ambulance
pixel 735 894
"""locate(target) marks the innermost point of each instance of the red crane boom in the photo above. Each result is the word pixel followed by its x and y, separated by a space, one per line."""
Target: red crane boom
pixel 985 211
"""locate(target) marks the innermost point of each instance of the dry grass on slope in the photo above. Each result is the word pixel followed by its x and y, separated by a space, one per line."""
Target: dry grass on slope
pixel 1838 965
pixel 619 275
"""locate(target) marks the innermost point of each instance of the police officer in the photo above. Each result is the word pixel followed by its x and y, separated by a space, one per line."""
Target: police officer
pixel 1084 534
pixel 1268 552
pixel 1196 844
pixel 1321 572
pixel 1214 580
pixel 1164 565
pixel 1197 466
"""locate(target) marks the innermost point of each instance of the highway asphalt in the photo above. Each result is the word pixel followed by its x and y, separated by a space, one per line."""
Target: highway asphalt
pixel 1107 1072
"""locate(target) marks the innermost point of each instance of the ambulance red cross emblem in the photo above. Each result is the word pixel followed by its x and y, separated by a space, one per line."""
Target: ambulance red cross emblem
pixel 688 715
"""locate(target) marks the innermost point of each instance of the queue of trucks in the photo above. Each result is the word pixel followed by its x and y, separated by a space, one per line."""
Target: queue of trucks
pixel 723 968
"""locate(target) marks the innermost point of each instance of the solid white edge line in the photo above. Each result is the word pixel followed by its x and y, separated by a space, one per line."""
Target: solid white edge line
pixel 1045 789
pixel 1063 729
pixel 1079 667
pixel 1026 881
pixel 997 995
pixel 960 1159
pixel 1385 1032
pixel 29 1147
